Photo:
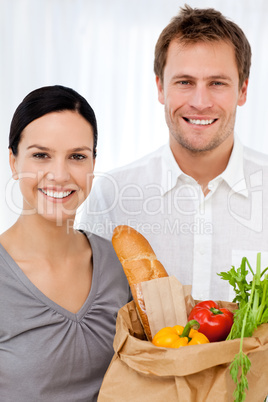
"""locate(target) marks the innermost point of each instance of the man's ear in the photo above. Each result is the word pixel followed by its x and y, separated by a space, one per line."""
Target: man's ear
pixel 243 93
pixel 12 163
pixel 160 90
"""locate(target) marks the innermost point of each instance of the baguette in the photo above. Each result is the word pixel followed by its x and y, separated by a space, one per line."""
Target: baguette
pixel 139 263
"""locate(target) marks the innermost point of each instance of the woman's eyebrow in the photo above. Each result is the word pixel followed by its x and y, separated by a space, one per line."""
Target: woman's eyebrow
pixel 77 149
pixel 38 146
pixel 85 148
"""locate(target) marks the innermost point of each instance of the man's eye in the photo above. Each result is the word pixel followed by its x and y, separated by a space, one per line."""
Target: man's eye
pixel 184 82
pixel 78 157
pixel 40 155
pixel 217 83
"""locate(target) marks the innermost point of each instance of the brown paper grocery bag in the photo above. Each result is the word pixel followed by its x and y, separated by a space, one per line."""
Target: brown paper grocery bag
pixel 143 372
pixel 164 300
pixel 167 302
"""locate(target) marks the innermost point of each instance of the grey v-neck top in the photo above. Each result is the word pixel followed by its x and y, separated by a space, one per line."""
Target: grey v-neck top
pixel 48 353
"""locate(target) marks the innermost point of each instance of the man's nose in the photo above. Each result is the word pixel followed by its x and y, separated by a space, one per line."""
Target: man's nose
pixel 201 98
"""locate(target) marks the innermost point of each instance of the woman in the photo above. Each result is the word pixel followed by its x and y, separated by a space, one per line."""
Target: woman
pixel 60 289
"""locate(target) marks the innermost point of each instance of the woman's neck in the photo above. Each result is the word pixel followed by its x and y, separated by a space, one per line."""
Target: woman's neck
pixel 35 237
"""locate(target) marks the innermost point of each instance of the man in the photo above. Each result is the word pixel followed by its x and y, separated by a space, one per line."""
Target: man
pixel 202 200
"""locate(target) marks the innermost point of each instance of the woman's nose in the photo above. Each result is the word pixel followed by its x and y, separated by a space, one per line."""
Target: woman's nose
pixel 59 172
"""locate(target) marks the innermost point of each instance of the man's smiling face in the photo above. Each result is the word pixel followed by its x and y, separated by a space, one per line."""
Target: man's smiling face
pixel 200 91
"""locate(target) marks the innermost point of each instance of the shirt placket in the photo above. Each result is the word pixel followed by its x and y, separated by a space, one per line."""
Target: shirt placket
pixel 202 258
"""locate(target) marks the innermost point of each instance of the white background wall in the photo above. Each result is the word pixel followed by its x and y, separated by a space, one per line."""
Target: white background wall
pixel 104 49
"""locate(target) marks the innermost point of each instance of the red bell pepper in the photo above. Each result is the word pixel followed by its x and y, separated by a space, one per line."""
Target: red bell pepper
pixel 214 322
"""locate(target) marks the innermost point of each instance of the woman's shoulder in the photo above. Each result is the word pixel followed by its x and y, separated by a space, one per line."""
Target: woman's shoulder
pixel 97 240
pixel 6 241
pixel 108 266
pixel 103 253
pixel 100 246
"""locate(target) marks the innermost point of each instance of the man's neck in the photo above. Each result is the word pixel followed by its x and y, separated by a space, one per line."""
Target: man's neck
pixel 202 166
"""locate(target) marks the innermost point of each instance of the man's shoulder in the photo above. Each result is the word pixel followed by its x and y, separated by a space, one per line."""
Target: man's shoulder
pixel 256 157
pixel 144 167
pixel 148 159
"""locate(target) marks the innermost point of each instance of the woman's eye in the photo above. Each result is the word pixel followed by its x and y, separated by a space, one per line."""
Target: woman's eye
pixel 40 155
pixel 78 157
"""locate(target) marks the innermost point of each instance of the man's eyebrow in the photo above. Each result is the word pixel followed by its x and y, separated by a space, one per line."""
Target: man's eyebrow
pixel 210 77
pixel 182 76
pixel 220 77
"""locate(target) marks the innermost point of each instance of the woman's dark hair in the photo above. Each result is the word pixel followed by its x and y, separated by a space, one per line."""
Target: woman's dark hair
pixel 46 100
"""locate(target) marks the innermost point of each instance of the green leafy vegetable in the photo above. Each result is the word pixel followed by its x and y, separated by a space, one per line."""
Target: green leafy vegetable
pixel 252 299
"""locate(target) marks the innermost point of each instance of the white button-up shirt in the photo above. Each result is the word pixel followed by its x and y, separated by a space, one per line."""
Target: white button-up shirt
pixel 194 236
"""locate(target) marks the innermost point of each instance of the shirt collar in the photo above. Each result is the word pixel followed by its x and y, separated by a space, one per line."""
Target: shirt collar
pixel 170 169
pixel 233 175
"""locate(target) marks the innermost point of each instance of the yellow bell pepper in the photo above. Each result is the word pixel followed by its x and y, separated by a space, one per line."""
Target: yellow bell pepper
pixel 177 336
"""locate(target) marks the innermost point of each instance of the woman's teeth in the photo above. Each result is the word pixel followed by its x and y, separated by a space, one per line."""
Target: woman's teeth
pixel 57 194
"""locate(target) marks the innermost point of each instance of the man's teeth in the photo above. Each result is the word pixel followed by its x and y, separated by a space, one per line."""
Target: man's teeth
pixel 57 194
pixel 201 122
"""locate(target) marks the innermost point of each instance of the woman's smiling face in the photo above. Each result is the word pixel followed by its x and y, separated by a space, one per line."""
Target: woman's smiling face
pixel 55 165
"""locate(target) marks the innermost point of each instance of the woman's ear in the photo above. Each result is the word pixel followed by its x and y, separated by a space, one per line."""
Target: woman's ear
pixel 12 163
pixel 93 163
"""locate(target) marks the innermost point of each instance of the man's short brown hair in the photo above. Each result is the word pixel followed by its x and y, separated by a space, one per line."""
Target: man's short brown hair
pixel 203 25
